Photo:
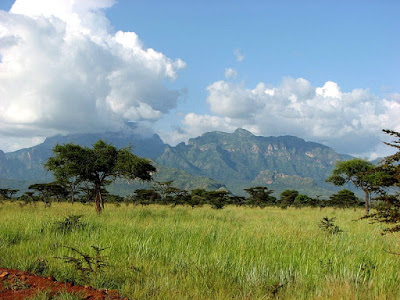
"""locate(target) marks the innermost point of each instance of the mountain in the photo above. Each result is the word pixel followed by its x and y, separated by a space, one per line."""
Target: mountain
pixel 24 167
pixel 27 164
pixel 216 159
pixel 241 159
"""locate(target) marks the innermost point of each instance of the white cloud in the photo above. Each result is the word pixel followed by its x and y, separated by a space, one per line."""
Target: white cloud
pixel 63 70
pixel 230 73
pixel 350 122
pixel 238 55
pixel 195 125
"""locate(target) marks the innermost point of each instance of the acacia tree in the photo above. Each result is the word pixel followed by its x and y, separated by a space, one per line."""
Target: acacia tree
pixel 387 176
pixel 356 171
pixel 7 193
pixel 344 199
pixel 288 197
pixel 50 190
pixel 97 166
pixel 260 196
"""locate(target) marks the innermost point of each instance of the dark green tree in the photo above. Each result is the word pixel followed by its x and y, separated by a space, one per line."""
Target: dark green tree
pixel 217 199
pixel 195 200
pixel 356 171
pixel 344 199
pixel 237 200
pixel 302 200
pixel 49 191
pixel 197 197
pixel 288 196
pixel 169 193
pixel 260 196
pixel 146 196
pixel 387 176
pixel 7 193
pixel 97 166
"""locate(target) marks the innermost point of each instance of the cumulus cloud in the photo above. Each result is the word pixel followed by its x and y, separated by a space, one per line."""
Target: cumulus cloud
pixel 63 70
pixel 350 122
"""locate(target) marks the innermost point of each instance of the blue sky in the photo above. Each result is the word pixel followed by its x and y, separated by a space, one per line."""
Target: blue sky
pixel 352 45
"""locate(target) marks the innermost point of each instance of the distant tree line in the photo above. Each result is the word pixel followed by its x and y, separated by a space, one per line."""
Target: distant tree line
pixel 164 193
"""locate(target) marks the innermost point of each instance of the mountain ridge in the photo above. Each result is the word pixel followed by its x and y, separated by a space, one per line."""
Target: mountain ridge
pixel 236 160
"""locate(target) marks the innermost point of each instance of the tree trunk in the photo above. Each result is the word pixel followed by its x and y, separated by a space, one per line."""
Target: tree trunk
pixel 72 195
pixel 366 201
pixel 97 199
pixel 101 200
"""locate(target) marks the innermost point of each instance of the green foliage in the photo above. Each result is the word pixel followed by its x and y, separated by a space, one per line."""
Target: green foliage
pixel 47 192
pixel 358 172
pixel 146 196
pixel 7 193
pixel 70 223
pixel 351 171
pixel 260 196
pixel 15 284
pixel 217 199
pixel 288 197
pixel 97 166
pixel 387 177
pixel 46 295
pixel 301 201
pixel 85 264
pixel 344 199
pixel 328 225
pixel 195 200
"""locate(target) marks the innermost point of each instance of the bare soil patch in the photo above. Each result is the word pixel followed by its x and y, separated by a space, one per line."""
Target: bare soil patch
pixel 18 285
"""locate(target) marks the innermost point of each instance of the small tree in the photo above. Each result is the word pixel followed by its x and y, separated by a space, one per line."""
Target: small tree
pixel 97 166
pixel 288 196
pixel 237 200
pixel 49 191
pixel 197 197
pixel 217 199
pixel 344 199
pixel 260 196
pixel 7 193
pixel 146 196
pixel 356 172
pixel 302 200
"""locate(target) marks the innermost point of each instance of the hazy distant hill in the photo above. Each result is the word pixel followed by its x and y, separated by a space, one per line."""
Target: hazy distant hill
pixel 236 160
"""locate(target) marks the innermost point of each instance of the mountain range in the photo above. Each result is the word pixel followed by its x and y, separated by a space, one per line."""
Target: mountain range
pixel 213 160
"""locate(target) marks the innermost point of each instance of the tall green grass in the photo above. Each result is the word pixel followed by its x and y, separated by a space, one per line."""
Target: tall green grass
pixel 160 252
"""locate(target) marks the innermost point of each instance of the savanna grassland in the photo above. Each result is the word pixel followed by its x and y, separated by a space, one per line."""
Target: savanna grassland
pixel 161 252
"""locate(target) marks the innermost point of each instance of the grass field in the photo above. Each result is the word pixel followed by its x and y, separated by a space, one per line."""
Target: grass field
pixel 160 252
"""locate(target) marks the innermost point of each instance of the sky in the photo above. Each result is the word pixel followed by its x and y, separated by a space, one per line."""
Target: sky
pixel 325 71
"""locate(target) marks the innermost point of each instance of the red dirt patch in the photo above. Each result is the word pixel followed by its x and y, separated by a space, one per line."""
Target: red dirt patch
pixel 19 285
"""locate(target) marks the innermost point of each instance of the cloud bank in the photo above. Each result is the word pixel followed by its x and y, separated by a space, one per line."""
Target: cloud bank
pixel 63 70
pixel 350 122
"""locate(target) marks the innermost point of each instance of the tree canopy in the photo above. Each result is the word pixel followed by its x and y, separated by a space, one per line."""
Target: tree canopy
pixel 97 166
pixel 260 196
pixel 356 171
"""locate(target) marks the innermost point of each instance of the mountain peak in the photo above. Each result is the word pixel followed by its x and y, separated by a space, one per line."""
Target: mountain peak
pixel 2 155
pixel 243 132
